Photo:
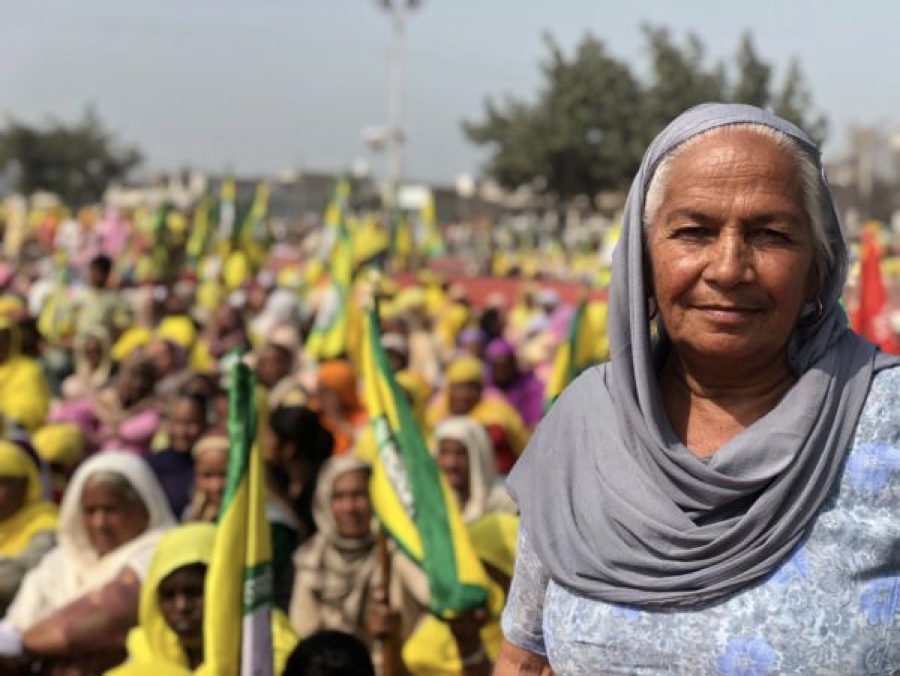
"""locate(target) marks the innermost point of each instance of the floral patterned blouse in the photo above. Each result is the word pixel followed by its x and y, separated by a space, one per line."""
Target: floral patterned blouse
pixel 832 607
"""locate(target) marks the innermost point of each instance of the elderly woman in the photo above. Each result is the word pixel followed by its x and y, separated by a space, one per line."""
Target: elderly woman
pixel 465 455
pixel 128 412
pixel 27 520
pixel 718 498
pixel 465 394
pixel 210 455
pixel 336 571
pixel 110 521
pixel 93 365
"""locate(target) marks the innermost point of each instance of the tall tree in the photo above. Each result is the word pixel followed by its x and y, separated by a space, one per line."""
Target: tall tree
pixel 679 78
pixel 593 118
pixel 753 74
pixel 581 136
pixel 75 161
pixel 794 102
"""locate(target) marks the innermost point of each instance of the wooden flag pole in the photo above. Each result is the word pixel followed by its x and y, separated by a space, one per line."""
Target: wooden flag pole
pixel 391 660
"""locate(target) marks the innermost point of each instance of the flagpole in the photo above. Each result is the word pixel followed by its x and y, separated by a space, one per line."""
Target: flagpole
pixel 391 660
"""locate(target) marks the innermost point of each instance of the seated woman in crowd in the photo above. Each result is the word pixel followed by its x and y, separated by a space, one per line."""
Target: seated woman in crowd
pixel 170 365
pixel 342 412
pixel 210 472
pixel 296 445
pixel 111 519
pixel 337 577
pixel 186 421
pixel 464 453
pixel 521 387
pixel 27 521
pixel 465 395
pixel 61 446
pixel 334 568
pixel 128 412
pixel 169 639
pixel 24 393
pixel 93 365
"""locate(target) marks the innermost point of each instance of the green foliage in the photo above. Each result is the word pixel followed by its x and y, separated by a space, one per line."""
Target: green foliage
pixel 754 76
pixel 593 117
pixel 75 161
pixel 794 102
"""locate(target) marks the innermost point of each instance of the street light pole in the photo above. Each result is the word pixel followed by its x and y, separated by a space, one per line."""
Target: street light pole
pixel 395 133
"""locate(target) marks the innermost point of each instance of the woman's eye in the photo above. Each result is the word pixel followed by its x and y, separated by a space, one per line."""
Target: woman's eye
pixel 771 235
pixel 693 232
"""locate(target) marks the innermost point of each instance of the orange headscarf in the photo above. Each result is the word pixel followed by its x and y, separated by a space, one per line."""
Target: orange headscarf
pixel 339 377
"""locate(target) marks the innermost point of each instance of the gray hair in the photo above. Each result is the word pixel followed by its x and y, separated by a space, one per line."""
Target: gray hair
pixel 119 483
pixel 810 184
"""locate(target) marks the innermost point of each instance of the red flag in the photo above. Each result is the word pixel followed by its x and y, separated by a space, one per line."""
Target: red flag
pixel 871 317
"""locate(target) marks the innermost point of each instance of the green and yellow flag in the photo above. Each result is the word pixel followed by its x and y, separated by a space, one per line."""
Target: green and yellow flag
pixel 237 633
pixel 433 244
pixel 201 229
pixel 585 345
pixel 256 215
pixel 328 337
pixel 410 496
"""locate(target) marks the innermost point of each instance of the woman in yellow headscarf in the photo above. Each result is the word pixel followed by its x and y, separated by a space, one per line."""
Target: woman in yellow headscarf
pixel 169 637
pixel 24 394
pixel 27 521
pixel 465 395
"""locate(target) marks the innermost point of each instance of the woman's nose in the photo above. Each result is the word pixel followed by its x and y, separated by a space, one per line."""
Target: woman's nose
pixel 729 262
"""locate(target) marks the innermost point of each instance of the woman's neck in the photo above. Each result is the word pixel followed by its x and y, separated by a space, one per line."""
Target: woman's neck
pixel 707 407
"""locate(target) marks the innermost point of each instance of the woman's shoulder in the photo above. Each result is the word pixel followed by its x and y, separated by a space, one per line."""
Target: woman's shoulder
pixel 581 396
pixel 883 401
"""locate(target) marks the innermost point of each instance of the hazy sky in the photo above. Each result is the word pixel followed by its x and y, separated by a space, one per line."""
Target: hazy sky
pixel 261 85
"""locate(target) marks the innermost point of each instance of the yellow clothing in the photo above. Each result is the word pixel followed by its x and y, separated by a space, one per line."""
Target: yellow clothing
pixel 152 643
pixel 488 411
pixel 36 515
pixel 179 329
pixel 201 359
pixel 132 340
pixel 24 395
pixel 59 444
pixel 431 650
pixel 465 370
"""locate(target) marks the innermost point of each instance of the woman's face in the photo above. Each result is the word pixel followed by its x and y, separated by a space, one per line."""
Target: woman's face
pixel 732 251
pixel 13 491
pixel 163 357
pixel 504 370
pixel 274 364
pixel 453 459
pixel 180 597
pixel 110 517
pixel 93 352
pixel 185 424
pixel 134 383
pixel 210 473
pixel 463 397
pixel 351 506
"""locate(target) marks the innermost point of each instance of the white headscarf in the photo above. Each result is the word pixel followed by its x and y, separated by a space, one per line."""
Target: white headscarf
pixel 471 434
pixel 74 568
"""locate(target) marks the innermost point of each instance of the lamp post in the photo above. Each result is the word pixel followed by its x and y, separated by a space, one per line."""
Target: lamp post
pixel 395 135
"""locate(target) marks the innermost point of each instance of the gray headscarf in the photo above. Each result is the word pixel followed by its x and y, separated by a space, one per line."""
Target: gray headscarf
pixel 618 509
